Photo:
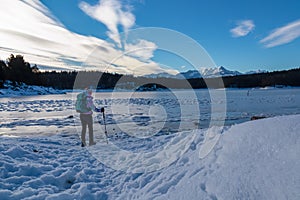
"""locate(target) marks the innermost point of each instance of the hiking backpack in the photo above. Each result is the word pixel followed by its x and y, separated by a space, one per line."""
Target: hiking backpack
pixel 81 103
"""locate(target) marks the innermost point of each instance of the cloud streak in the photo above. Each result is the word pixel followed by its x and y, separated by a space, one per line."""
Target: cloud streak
pixel 111 13
pixel 43 40
pixel 243 28
pixel 282 35
pixel 142 49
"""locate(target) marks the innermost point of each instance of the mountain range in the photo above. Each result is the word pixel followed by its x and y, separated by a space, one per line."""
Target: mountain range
pixel 202 72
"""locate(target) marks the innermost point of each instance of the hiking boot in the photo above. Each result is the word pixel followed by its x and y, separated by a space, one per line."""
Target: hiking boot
pixel 92 143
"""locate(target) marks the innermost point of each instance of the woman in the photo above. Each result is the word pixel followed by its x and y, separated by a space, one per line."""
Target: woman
pixel 86 117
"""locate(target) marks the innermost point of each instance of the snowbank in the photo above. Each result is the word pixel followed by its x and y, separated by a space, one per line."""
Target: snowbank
pixel 258 160
pixel 26 90
pixel 254 160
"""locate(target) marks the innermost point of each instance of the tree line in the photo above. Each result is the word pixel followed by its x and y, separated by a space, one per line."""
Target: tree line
pixel 17 70
pixel 282 78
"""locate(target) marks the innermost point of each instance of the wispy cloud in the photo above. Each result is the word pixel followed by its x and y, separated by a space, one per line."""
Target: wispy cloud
pixel 142 49
pixel 43 40
pixel 111 13
pixel 282 35
pixel 242 28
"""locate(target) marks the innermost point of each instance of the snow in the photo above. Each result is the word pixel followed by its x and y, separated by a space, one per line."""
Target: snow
pixel 22 89
pixel 41 157
pixel 201 72
pixel 254 160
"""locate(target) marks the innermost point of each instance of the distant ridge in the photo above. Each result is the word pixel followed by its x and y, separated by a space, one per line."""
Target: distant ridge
pixel 256 72
pixel 202 73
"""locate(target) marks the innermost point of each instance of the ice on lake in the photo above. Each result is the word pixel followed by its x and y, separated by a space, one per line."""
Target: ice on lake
pixel 147 113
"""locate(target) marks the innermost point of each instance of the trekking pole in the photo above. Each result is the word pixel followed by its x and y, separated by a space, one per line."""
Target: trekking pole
pixel 105 131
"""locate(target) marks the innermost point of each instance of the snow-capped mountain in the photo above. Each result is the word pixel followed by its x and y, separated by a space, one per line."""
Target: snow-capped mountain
pixel 221 71
pixel 189 74
pixel 208 73
pixel 259 71
pixel 202 72
pixel 161 75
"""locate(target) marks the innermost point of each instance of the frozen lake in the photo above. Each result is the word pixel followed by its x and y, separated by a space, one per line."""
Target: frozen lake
pixel 187 164
pixel 147 113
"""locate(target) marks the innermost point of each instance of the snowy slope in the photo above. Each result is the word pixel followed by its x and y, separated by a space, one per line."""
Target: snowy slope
pixel 253 160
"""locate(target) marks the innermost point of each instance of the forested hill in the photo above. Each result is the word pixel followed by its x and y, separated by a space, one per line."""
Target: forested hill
pixel 16 69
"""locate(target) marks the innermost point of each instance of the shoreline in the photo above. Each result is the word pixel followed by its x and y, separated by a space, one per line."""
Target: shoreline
pixel 29 90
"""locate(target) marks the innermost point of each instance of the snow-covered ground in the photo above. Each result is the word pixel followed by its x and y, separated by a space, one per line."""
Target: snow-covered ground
pixel 22 89
pixel 41 157
pixel 254 160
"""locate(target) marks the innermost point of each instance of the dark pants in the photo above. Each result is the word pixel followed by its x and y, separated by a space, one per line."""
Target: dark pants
pixel 87 121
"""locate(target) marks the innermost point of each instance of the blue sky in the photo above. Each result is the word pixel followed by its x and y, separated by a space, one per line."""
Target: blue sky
pixel 239 35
